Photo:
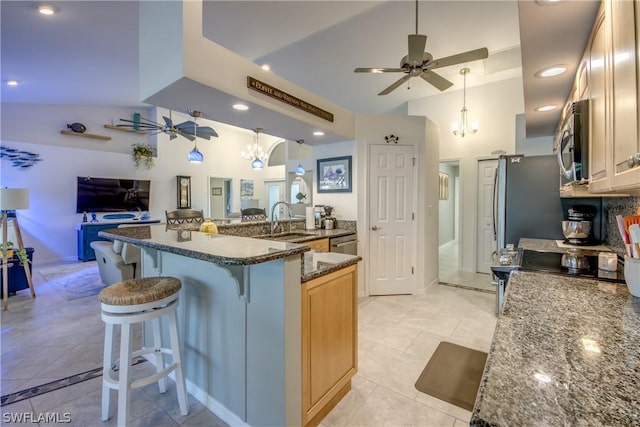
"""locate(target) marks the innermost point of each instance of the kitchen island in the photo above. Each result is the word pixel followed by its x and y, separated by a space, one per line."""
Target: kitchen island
pixel 566 351
pixel 239 316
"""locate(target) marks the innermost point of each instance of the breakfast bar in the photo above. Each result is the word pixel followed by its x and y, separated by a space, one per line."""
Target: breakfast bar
pixel 240 316
pixel 566 351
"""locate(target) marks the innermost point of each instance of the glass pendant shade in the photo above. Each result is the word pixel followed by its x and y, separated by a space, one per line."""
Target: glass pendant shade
pixel 195 156
pixel 257 164
pixel 299 170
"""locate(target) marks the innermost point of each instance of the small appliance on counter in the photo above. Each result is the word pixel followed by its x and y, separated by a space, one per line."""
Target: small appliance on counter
pixel 577 228
pixel 329 222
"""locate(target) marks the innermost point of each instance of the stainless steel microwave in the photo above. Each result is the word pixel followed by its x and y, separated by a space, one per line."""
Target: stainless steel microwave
pixel 571 144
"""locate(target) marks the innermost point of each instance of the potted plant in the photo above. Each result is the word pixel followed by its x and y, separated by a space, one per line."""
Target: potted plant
pixel 22 256
pixel 7 249
pixel 142 154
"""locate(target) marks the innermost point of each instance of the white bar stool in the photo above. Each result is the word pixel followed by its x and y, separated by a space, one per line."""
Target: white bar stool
pixel 136 301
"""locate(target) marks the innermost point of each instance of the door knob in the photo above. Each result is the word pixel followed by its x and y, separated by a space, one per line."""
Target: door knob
pixel 375 227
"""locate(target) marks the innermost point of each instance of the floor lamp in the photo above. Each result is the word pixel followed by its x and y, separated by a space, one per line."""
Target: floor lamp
pixel 12 199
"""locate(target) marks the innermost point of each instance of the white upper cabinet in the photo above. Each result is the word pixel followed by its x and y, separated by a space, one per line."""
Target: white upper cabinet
pixel 625 94
pixel 613 93
pixel 598 107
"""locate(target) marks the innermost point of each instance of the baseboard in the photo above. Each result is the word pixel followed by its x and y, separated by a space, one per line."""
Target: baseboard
pixel 209 402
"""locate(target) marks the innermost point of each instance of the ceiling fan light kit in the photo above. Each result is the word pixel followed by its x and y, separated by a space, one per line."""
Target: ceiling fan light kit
pixel 463 127
pixel 419 63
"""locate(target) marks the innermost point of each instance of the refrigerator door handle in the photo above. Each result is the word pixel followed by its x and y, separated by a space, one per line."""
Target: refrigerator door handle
pixel 494 202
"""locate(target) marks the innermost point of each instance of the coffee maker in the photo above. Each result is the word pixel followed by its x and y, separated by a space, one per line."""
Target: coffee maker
pixel 577 229
pixel 329 221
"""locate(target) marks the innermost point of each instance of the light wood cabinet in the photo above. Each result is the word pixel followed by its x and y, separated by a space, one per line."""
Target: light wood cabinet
pixel 319 245
pixel 329 341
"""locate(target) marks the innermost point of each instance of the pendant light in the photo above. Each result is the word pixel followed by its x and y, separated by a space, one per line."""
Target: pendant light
pixel 462 128
pixel 255 153
pixel 195 156
pixel 299 169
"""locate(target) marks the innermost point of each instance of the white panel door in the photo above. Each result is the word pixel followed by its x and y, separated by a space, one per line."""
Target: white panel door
pixel 391 212
pixel 486 243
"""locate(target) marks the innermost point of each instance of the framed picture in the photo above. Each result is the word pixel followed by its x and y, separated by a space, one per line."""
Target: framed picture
pixel 216 191
pixel 184 192
pixel 334 175
pixel 444 186
pixel 246 188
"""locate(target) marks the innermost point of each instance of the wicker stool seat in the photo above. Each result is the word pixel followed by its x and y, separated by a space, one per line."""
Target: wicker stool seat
pixel 137 301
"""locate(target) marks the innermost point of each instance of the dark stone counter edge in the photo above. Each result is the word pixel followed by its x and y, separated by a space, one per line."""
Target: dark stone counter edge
pixel 335 267
pixel 295 249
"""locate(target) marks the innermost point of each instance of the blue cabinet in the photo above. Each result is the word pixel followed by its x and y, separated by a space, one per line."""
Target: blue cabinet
pixel 87 232
pixel 17 280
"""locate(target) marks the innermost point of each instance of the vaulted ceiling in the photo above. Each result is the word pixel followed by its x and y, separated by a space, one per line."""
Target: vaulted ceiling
pixel 87 53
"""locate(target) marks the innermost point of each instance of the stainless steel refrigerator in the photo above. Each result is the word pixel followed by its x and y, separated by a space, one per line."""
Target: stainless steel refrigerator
pixel 526 199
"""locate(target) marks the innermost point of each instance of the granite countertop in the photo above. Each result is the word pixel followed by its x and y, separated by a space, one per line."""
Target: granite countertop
pixel 317 264
pixel 565 351
pixel 549 245
pixel 217 248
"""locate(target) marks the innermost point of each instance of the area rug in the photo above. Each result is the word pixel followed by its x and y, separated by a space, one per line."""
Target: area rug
pixel 453 374
pixel 75 280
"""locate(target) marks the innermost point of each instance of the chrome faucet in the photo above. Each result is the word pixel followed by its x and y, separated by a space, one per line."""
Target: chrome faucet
pixel 274 222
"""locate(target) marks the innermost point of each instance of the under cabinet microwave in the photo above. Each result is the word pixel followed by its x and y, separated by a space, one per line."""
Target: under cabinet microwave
pixel 571 143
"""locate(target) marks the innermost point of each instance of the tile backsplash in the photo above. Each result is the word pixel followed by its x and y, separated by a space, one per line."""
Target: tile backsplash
pixel 618 206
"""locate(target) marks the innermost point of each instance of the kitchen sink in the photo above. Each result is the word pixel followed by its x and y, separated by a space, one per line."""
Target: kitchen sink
pixel 289 237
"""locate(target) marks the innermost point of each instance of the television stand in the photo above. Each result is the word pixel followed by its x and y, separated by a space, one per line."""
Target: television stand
pixel 87 232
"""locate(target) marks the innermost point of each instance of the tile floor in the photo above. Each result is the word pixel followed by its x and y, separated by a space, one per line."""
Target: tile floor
pixel 449 273
pixel 50 338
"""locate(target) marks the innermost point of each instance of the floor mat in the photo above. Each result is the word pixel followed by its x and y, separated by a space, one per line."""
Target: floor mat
pixel 453 374
pixel 75 280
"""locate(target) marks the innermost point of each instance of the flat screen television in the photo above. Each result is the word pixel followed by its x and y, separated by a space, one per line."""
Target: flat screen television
pixel 112 194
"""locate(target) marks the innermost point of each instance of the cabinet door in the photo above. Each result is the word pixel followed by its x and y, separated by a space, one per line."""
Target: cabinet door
pixel 625 93
pixel 329 338
pixel 598 138
pixel 320 245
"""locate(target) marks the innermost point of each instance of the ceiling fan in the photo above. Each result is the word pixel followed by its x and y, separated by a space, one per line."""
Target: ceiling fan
pixel 188 129
pixel 419 63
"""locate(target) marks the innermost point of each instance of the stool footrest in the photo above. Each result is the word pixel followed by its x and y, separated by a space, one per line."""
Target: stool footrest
pixel 112 383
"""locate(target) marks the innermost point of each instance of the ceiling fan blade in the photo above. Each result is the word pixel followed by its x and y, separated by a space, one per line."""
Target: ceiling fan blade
pixel 436 80
pixel 168 121
pixel 472 55
pixel 187 135
pixel 417 42
pixel 205 132
pixel 395 85
pixel 378 70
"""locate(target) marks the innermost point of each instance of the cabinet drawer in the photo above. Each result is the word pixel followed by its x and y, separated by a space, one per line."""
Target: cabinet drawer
pixel 320 245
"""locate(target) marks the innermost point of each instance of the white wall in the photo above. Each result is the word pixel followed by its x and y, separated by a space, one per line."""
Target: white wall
pixel 49 224
pixel 497 132
pixel 531 146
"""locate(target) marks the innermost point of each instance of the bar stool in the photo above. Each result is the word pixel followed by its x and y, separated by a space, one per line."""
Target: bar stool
pixel 136 301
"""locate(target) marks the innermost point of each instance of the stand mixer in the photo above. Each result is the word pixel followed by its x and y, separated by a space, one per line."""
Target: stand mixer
pixel 329 222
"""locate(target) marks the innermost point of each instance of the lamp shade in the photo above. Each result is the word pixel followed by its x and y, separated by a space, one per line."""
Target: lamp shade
pixel 14 198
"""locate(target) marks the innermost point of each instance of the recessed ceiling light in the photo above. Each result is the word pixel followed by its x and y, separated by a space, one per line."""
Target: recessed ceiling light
pixel 12 83
pixel 547 2
pixel 46 9
pixel 318 133
pixel 546 108
pixel 266 67
pixel 552 71
pixel 240 107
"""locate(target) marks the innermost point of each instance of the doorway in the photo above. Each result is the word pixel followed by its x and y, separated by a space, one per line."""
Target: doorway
pixel 220 197
pixel 452 216
pixel 275 193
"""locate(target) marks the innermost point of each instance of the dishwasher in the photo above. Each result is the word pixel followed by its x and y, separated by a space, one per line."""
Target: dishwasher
pixel 345 244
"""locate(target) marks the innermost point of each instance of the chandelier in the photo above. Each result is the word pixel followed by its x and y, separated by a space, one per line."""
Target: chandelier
pixel 462 127
pixel 255 153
